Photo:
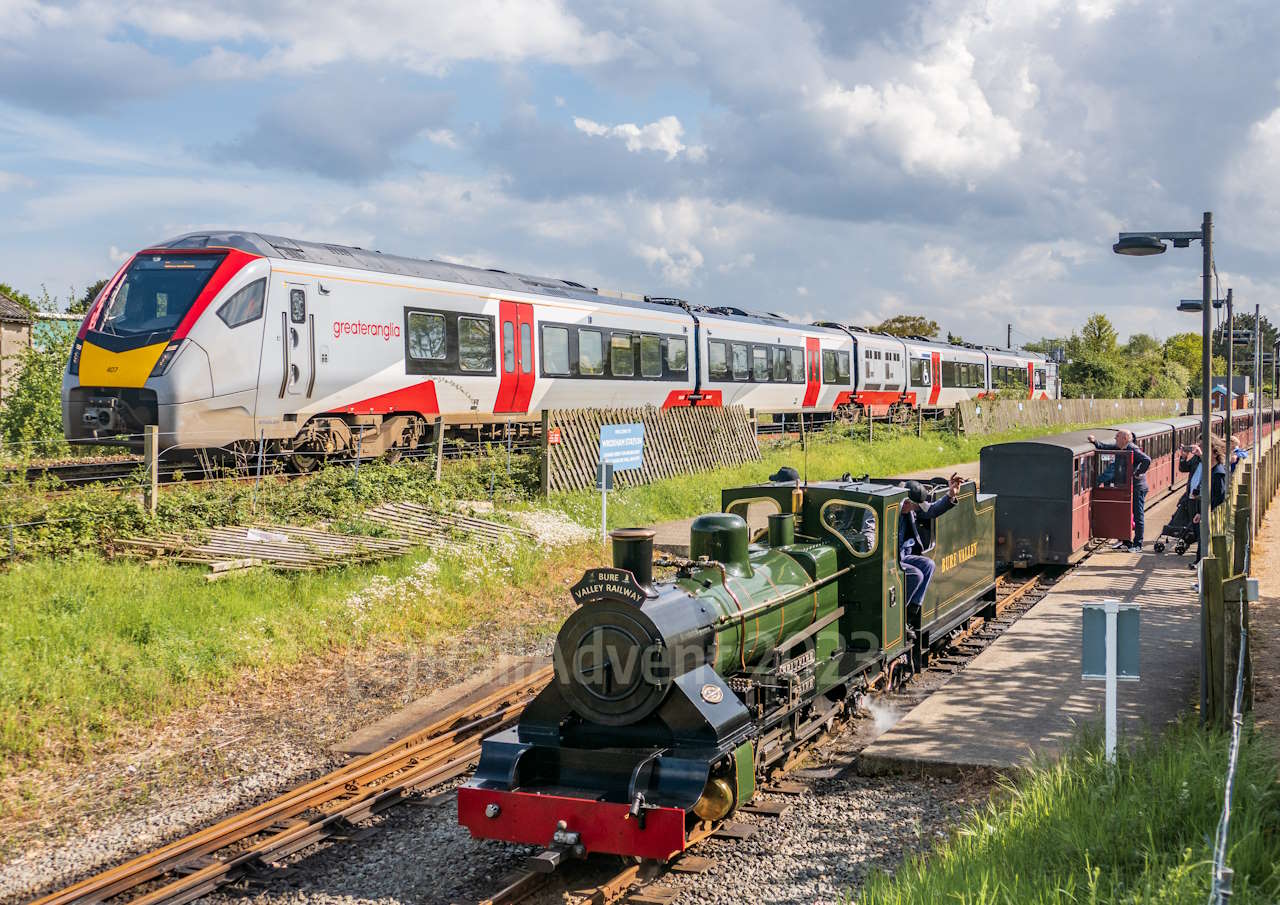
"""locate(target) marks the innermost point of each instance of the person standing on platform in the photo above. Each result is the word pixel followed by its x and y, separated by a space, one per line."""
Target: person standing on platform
pixel 1218 479
pixel 1140 462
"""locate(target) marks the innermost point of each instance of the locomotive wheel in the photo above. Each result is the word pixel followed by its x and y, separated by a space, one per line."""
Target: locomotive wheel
pixel 305 463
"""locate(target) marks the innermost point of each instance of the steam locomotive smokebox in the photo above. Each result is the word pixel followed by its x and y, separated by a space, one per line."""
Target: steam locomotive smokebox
pixel 721 538
pixel 633 551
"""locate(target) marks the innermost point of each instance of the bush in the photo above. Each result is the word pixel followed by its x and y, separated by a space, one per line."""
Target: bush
pixel 31 416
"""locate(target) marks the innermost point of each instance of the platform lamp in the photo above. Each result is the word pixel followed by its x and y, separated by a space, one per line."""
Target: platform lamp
pixel 1153 243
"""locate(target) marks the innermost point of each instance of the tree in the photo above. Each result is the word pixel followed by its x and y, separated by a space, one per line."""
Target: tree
pixel 31 416
pixel 910 325
pixel 1141 345
pixel 955 339
pixel 20 297
pixel 1243 361
pixel 1186 350
pixel 80 305
pixel 1097 336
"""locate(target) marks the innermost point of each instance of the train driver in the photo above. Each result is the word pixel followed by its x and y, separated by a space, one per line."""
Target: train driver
pixel 917 569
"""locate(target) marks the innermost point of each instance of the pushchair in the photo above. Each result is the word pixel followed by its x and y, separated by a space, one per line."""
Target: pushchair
pixel 1181 528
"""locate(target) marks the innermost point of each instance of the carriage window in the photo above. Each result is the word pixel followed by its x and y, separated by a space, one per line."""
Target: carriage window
pixel 622 354
pixel 759 364
pixel 842 366
pixel 1112 470
pixel 853 524
pixel 917 371
pixel 741 369
pixel 555 350
pixel 718 360
pixel 508 346
pixel 590 352
pixel 526 348
pixel 797 365
pixel 780 359
pixel 426 336
pixel 245 305
pixel 1075 479
pixel 650 355
pixel 677 355
pixel 475 344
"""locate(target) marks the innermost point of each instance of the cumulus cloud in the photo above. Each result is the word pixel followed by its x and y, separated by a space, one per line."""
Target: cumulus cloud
pixel 663 135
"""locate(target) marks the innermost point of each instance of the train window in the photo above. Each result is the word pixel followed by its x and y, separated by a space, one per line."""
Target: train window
pixel 298 306
pixel 245 306
pixel 1040 375
pixel 759 364
pixel 650 355
pixel 622 354
pixel 526 348
pixel 919 373
pixel 741 362
pixel 427 334
pixel 508 347
pixel 475 343
pixel 829 366
pixel 855 525
pixel 590 352
pixel 842 366
pixel 1112 470
pixel 678 355
pixel 718 360
pixel 780 366
pixel 555 350
pixel 797 366
pixel 756 511
pixel 156 292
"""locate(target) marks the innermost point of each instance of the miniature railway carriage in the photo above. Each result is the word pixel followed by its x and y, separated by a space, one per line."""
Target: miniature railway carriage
pixel 671 696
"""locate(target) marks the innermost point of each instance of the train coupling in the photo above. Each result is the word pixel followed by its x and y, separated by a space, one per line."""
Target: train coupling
pixel 564 845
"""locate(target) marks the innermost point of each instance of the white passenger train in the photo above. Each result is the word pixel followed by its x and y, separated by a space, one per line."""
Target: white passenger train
pixel 225 339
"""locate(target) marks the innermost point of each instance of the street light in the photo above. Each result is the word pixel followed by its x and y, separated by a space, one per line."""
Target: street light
pixel 1153 243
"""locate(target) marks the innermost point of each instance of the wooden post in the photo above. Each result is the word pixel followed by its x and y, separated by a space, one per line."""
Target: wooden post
pixel 802 437
pixel 151 458
pixel 1235 608
pixel 919 420
pixel 1212 657
pixel 439 441
pixel 545 465
pixel 871 426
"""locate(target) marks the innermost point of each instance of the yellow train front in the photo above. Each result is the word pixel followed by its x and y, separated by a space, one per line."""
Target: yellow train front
pixel 671 697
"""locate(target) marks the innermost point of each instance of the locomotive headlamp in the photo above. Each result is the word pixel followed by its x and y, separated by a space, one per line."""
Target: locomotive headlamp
pixel 166 358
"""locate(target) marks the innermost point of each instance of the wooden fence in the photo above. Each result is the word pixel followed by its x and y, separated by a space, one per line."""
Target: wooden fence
pixel 676 441
pixel 990 416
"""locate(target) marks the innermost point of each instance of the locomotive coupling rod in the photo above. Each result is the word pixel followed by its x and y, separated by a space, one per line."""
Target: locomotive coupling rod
pixel 766 605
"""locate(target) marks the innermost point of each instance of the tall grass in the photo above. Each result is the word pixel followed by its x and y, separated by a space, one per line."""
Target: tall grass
pixel 1081 830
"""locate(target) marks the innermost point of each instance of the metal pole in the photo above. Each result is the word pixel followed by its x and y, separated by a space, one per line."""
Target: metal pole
pixel 1206 447
pixel 1112 610
pixel 1231 349
pixel 1257 419
pixel 1009 337
pixel 151 454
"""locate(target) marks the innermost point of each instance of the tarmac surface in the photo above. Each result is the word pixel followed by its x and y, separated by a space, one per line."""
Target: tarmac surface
pixel 1024 694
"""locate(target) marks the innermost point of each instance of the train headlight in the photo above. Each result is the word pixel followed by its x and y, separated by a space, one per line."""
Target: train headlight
pixel 73 366
pixel 166 358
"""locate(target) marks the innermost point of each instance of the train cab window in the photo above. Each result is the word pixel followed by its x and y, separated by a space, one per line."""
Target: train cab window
pixel 678 355
pixel 759 364
pixel 756 512
pixel 246 305
pixel 526 348
pixel 427 333
pixel 797 366
pixel 475 343
pixel 508 347
pixel 590 352
pixel 854 525
pixel 298 306
pixel 650 355
pixel 555 350
pixel 718 360
pixel 622 354
pixel 780 366
pixel 741 362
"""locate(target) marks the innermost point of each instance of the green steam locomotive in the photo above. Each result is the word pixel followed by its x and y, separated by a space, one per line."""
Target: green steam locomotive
pixel 672 696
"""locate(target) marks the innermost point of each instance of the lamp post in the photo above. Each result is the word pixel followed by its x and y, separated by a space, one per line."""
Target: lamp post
pixel 1153 243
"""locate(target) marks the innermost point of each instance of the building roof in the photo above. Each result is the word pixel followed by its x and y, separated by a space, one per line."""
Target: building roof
pixel 13 313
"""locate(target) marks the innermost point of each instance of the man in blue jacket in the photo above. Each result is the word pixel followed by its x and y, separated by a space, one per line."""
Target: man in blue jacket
pixel 917 569
pixel 1141 462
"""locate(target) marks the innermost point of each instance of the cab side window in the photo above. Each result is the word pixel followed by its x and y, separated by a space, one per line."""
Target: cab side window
pixel 245 306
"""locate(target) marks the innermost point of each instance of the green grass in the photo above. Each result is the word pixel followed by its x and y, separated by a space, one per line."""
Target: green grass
pixel 1084 831
pixel 90 643
pixel 895 451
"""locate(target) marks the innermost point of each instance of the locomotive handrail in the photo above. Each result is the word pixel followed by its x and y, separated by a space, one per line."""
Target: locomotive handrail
pixel 284 348
pixel 311 382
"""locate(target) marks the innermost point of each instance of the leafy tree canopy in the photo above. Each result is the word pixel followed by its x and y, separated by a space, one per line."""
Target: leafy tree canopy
pixel 910 325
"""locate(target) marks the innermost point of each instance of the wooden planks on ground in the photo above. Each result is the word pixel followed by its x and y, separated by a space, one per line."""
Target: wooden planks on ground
pixel 676 441
pixel 289 548
pixel 439 529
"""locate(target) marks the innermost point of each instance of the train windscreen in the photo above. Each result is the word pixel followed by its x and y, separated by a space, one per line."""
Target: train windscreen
pixel 156 293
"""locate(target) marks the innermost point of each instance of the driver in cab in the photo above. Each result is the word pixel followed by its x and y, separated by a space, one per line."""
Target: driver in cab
pixel 917 569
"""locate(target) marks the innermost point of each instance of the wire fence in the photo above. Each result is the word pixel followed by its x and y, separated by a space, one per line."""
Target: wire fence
pixel 1220 889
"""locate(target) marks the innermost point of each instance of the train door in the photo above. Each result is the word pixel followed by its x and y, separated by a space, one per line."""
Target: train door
pixel 287 374
pixel 515 342
pixel 1081 485
pixel 1111 509
pixel 935 372
pixel 813 373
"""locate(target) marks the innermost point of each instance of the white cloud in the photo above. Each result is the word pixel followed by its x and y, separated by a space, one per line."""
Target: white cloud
pixel 664 135
pixel 802 291
pixel 9 181
pixel 443 137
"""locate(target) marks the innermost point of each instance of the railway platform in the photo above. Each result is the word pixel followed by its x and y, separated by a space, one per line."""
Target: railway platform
pixel 1023 695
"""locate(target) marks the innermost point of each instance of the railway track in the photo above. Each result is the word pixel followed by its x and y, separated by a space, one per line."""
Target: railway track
pixel 252 841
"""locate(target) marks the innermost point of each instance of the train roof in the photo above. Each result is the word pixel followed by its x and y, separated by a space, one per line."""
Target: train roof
pixel 1075 441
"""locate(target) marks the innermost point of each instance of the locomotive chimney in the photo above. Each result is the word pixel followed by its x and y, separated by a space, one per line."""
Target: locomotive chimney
pixel 782 529
pixel 633 551
pixel 723 538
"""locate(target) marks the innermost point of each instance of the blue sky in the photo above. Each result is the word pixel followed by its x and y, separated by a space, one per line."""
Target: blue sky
pixel 971 161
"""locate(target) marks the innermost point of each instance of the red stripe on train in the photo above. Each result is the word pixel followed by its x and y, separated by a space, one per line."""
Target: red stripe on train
pixel 420 398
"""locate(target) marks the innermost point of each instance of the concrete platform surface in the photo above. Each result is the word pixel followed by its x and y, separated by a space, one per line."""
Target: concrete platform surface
pixel 1024 693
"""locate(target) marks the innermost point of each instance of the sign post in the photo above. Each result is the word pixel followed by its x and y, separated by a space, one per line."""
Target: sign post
pixel 621 447
pixel 1109 652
